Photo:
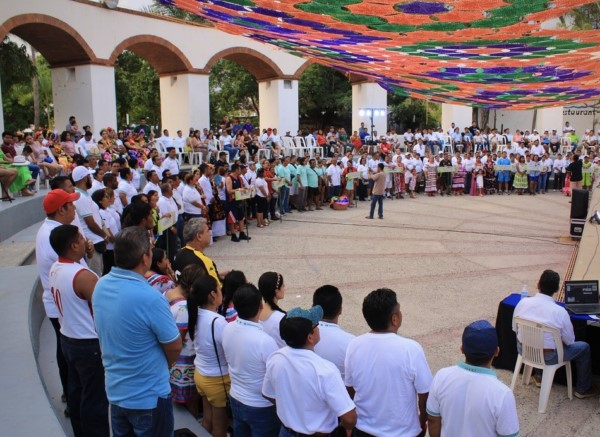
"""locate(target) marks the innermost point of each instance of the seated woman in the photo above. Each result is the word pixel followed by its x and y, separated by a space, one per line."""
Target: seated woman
pixel 49 167
pixel 107 146
pixel 23 181
pixel 67 144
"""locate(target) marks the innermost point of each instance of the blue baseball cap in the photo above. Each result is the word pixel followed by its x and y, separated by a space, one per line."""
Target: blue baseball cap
pixel 314 314
pixel 479 339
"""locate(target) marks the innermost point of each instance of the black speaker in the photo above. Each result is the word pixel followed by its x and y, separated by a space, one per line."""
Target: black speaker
pixel 579 205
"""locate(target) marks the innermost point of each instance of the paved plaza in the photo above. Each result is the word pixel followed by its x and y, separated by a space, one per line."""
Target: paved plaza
pixel 451 261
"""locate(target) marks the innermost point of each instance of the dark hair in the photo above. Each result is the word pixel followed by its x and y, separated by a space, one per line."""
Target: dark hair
pixel 138 198
pixel 63 135
pixel 247 299
pixel 158 255
pixel 268 284
pixel 27 149
pixel 132 162
pixel 231 282
pixel 330 299
pixel 124 172
pixel 260 173
pixel 7 133
pixel 295 331
pixel 62 237
pixel 97 197
pixel 380 166
pixel 201 289
pixel 149 174
pixel 549 282
pixel 378 307
pixel 131 244
pixel 58 182
pixel 188 275
pixel 107 178
pixel 135 213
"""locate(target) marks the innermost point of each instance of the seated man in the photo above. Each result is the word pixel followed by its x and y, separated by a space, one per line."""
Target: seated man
pixel 468 399
pixel 542 308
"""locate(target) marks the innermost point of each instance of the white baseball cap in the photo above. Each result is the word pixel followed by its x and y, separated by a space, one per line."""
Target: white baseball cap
pixel 81 172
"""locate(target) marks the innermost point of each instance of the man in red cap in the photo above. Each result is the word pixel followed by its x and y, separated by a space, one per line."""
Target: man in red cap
pixel 60 210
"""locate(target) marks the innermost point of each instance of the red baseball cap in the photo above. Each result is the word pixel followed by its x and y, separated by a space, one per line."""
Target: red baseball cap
pixel 57 198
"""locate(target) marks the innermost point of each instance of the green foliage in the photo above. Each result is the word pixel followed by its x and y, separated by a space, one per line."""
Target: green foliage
pixel 137 88
pixel 583 18
pixel 325 98
pixel 408 112
pixel 172 11
pixel 233 91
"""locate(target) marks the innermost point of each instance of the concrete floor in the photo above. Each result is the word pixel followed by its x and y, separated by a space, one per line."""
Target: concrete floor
pixel 451 261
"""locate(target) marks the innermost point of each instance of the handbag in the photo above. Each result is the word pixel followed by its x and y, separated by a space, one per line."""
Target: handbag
pixel 227 403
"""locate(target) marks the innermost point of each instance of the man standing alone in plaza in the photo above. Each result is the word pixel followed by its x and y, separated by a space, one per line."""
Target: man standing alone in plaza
pixel 378 191
pixel 139 341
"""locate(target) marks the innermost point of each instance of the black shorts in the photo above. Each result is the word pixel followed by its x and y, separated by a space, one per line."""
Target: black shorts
pixel 313 191
pixel 236 211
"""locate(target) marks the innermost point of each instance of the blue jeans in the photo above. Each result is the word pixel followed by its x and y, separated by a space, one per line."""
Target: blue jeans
pixel 35 170
pixel 543 181
pixel 233 151
pixel 578 352
pixel 155 422
pixel 252 421
pixel 335 191
pixel 284 199
pixel 88 406
pixel 376 198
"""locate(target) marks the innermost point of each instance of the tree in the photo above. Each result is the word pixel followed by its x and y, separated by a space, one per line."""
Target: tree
pixel 408 112
pixel 586 17
pixel 325 98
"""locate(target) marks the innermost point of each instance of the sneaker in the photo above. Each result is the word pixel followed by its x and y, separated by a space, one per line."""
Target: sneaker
pixel 589 393
pixel 537 379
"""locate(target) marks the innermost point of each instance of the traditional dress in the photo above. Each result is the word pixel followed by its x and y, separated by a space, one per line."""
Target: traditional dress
pixel 458 179
pixel 489 178
pixel 520 182
pixel 476 179
pixel 23 175
pixel 399 181
pixel 430 171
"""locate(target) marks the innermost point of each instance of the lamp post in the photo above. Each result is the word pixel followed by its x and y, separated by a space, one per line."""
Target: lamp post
pixel 372 113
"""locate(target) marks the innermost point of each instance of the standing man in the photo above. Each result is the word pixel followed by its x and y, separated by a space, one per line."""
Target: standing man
pixel 171 162
pixel 468 399
pixel 247 348
pixel 383 368
pixel 542 308
pixel 334 177
pixel 302 179
pixel 334 340
pixel 576 170
pixel 153 182
pixel 445 178
pixel 72 286
pixel 307 390
pixel 313 178
pixel 139 341
pixel 143 127
pixel 378 191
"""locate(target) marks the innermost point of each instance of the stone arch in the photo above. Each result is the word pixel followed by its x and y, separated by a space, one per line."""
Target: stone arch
pixel 58 42
pixel 259 65
pixel 302 69
pixel 165 57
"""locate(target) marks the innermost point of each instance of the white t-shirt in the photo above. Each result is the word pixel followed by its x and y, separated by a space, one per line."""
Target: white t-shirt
pixel 258 183
pixel 472 402
pixel 151 186
pixel 126 188
pixel 309 390
pixel 335 173
pixel 112 221
pixel 387 372
pixel 271 327
pixel 96 185
pixel 247 348
pixel 171 164
pixel 333 344
pixel 166 205
pixel 190 194
pixel 86 207
pixel 206 189
pixel 206 361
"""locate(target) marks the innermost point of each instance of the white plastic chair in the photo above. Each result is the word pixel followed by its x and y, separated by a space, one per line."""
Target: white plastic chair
pixel 448 144
pixel 195 158
pixel 289 147
pixel 532 356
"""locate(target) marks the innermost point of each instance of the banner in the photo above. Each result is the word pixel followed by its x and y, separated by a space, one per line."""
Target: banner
pixel 243 194
pixel 354 175
pixel 504 168
pixel 393 170
pixel 278 184
pixel 447 169
pixel 165 223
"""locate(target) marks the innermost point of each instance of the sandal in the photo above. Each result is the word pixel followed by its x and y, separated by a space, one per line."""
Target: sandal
pixel 260 226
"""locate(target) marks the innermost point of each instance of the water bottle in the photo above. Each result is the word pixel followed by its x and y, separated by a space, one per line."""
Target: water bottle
pixel 524 291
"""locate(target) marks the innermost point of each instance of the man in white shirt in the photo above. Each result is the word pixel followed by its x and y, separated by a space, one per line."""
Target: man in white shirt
pixel 307 390
pixel 537 148
pixel 125 190
pixel 86 144
pixel 542 308
pixel 419 148
pixel 247 348
pixel 166 139
pixel 72 286
pixel 157 166
pixel 334 340
pixel 567 128
pixel 171 162
pixel 468 400
pixel 409 137
pixel 97 183
pixel 168 209
pixel 558 168
pixel 152 184
pixel 179 141
pixel 383 368
pixel 334 177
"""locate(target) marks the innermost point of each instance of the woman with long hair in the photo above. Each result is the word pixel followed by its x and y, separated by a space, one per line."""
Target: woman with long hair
pixel 183 387
pixel 104 198
pixel 160 276
pixel 211 374
pixel 231 282
pixel 272 288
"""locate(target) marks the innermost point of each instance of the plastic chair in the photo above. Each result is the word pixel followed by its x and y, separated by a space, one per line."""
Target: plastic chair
pixel 289 147
pixel 532 356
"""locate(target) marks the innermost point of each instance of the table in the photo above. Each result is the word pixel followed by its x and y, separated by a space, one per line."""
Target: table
pixel 507 339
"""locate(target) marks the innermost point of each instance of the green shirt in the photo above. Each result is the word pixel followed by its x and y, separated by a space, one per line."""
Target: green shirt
pixel 283 172
pixel 312 176
pixel 301 175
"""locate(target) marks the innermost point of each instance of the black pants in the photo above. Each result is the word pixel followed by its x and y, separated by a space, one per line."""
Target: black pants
pixel 63 370
pixel 108 260
pixel 362 190
pixel 88 405
pixel 559 180
pixel 468 178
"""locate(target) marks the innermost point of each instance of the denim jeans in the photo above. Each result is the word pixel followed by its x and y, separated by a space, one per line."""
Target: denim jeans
pixel 35 170
pixel 579 352
pixel 254 422
pixel 542 183
pixel 155 422
pixel 233 151
pixel 335 190
pixel 376 198
pixel 87 401
pixel 284 200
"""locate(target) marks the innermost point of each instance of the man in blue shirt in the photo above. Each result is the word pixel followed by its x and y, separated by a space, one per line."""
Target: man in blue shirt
pixel 139 341
pixel 503 175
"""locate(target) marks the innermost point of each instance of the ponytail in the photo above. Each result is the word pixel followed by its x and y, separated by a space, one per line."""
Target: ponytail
pixel 268 284
pixel 198 297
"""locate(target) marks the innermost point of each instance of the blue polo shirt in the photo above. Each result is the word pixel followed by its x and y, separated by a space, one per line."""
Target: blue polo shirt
pixel 133 320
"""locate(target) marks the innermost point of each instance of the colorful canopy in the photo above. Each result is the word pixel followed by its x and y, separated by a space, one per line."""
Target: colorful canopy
pixel 491 53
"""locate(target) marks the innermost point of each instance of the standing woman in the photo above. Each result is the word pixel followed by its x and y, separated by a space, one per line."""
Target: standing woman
pixel 533 174
pixel 363 179
pixel 211 374
pixel 183 387
pixel 272 288
pixel 430 170
pixel 111 225
pixel 458 178
pixel 349 183
pixel 261 197
pixel 192 200
pixel 489 177
pixel 520 182
pixel 399 184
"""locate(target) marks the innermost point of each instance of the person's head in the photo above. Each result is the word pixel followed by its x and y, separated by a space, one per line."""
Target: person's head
pixel 138 214
pixel 196 233
pixel 188 276
pixel 62 183
pixel 248 301
pixel 132 249
pixel 272 287
pixel 329 298
pixel 300 327
pixel 101 198
pixel 68 242
pixel 125 174
pixel 81 177
pixel 231 282
pixel 205 292
pixel 479 343
pixel 110 181
pixel 58 205
pixel 381 310
pixel 160 261
pixel 152 198
pixel 549 282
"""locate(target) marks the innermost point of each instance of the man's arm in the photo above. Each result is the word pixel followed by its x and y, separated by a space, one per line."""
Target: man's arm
pixel 84 283
pixel 435 426
pixel 89 221
pixel 423 410
pixel 172 350
pixel 348 421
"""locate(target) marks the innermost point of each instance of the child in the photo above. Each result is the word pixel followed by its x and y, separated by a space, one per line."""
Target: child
pixel 479 181
pixel 586 182
pixel 410 180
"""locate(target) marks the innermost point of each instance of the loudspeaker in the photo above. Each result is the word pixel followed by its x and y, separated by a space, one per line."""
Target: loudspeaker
pixel 579 205
pixel 576 228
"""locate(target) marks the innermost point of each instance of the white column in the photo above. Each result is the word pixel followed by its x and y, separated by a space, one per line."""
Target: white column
pixel 552 118
pixel 461 116
pixel 1 112
pixel 88 93
pixel 278 105
pixel 369 95
pixel 184 102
